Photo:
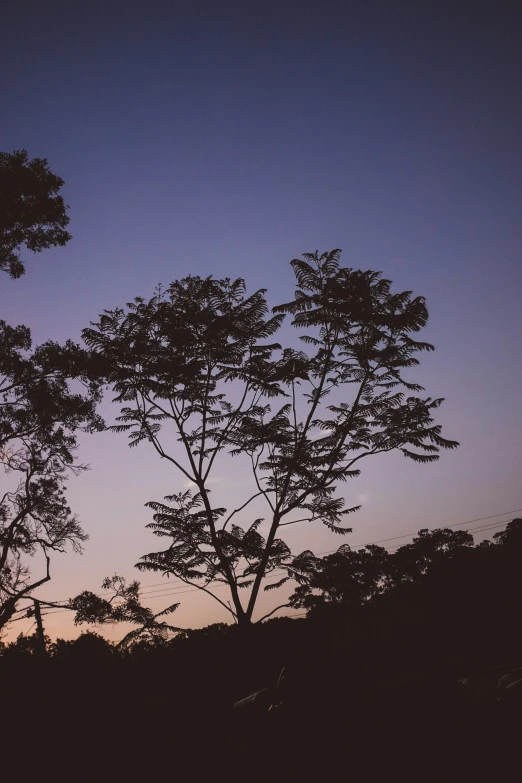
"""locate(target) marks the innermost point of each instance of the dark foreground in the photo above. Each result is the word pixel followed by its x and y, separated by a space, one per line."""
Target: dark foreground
pixel 165 715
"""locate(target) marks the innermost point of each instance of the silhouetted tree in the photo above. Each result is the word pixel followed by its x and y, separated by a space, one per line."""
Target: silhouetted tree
pixel 511 537
pixel 441 584
pixel 34 516
pixel 47 394
pixel 39 417
pixel 429 550
pixel 32 213
pixel 346 579
pixel 123 606
pixel 85 648
pixel 199 356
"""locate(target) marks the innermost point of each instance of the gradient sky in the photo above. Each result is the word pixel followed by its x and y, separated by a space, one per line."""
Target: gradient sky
pixel 226 138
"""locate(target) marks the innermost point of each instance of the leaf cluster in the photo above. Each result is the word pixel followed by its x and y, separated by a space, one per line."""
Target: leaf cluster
pixel 33 214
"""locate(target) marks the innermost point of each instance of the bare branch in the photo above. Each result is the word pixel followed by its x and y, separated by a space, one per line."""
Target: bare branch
pixel 269 614
pixel 237 510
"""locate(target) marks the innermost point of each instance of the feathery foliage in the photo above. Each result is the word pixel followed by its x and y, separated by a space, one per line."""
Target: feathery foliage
pixel 123 606
pixel 198 361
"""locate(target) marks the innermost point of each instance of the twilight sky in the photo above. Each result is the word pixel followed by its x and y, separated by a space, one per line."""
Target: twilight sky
pixel 226 138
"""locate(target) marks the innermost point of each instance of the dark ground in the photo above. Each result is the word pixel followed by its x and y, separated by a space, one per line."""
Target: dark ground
pixel 166 715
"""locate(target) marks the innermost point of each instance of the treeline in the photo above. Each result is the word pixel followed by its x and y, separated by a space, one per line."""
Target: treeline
pixel 440 586
pixel 439 595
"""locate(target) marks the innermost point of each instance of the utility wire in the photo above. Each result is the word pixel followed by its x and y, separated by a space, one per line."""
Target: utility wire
pixel 431 530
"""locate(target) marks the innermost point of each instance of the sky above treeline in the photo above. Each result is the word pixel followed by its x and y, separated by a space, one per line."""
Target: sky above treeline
pixel 227 138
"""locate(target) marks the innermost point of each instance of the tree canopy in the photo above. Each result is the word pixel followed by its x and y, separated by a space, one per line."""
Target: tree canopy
pixel 33 214
pixel 197 364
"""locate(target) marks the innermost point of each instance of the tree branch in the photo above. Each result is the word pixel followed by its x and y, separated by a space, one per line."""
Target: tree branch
pixel 260 488
pixel 159 448
pixel 295 521
pixel 265 616
pixel 237 510
pixel 201 587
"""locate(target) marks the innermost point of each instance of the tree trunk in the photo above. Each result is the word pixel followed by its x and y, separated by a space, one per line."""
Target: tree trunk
pixel 244 621
pixel 42 650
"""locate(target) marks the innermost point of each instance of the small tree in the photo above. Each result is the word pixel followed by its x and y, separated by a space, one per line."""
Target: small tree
pixel 32 213
pixel 123 606
pixel 34 517
pixel 200 357
pixel 429 550
pixel 346 579
pixel 40 414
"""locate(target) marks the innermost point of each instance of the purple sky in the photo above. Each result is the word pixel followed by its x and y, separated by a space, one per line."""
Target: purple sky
pixel 226 138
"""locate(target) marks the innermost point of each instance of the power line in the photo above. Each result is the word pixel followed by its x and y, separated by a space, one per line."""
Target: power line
pixel 176 591
pixel 167 589
pixel 443 527
pixel 23 618
pixel 56 611
pixel 481 519
pixel 487 527
pixel 160 593
pixel 473 531
pixel 17 619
